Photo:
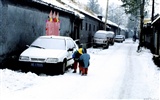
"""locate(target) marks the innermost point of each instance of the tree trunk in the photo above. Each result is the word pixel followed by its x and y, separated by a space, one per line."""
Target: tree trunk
pixel 141 23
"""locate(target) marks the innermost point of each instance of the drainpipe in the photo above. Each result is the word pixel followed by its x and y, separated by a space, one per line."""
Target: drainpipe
pixel 157 41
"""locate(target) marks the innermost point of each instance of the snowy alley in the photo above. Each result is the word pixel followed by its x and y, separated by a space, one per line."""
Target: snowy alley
pixel 115 73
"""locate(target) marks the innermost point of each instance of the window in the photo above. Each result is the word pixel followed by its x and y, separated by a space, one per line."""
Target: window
pixel 81 25
pixel 93 27
pixel 86 27
pixel 70 44
pixel 89 27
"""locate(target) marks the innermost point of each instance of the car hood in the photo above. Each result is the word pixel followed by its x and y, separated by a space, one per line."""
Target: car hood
pixel 42 53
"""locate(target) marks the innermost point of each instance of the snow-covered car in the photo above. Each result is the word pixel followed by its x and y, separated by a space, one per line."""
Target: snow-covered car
pixel 110 37
pixel 49 53
pixel 119 38
pixel 101 39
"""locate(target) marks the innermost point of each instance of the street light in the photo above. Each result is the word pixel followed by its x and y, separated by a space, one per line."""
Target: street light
pixel 106 15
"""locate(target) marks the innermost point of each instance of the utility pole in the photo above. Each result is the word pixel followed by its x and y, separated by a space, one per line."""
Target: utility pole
pixel 142 18
pixel 152 10
pixel 106 15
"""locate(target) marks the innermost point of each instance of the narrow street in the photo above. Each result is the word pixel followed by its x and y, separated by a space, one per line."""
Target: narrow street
pixel 115 73
pixel 118 72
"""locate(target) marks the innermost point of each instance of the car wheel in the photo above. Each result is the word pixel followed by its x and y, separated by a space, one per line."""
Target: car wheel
pixel 107 46
pixel 104 46
pixel 63 68
pixel 112 43
pixel 94 46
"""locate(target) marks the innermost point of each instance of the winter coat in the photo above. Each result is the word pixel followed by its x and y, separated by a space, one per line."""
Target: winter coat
pixel 84 60
pixel 76 55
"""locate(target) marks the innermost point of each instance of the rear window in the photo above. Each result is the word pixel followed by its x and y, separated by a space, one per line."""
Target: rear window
pixel 50 43
pixel 110 34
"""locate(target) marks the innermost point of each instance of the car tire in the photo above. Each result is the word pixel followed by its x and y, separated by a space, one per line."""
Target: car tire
pixel 94 46
pixel 112 43
pixel 106 46
pixel 63 67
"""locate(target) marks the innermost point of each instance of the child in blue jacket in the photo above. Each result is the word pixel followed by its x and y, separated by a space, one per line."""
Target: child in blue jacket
pixel 84 61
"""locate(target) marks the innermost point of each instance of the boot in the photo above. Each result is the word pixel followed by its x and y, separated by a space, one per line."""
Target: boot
pixel 86 71
pixel 83 71
pixel 74 71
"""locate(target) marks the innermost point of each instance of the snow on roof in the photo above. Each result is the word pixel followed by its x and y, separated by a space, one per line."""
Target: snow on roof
pixel 55 4
pixel 156 19
pixel 110 22
pixel 61 6
pixel 77 10
pixel 68 5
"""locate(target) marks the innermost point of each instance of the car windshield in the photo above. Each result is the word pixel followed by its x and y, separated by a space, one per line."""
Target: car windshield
pixel 100 35
pixel 49 43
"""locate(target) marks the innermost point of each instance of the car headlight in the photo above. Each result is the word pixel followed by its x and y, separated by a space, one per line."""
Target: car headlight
pixel 52 60
pixel 24 58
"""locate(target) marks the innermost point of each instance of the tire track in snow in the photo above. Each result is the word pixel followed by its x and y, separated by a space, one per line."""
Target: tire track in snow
pixel 128 76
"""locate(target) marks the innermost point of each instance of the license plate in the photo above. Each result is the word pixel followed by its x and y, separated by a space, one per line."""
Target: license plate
pixel 36 65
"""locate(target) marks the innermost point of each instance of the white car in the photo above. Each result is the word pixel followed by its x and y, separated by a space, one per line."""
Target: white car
pixel 49 53
pixel 119 38
pixel 101 39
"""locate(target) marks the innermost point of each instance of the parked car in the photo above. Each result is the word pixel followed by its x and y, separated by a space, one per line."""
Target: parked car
pixel 49 53
pixel 110 37
pixel 101 39
pixel 124 37
pixel 119 38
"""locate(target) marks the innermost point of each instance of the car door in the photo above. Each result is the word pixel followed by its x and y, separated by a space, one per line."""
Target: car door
pixel 71 49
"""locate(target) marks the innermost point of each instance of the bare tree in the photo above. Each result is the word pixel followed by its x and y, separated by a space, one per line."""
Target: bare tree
pixel 94 6
pixel 117 14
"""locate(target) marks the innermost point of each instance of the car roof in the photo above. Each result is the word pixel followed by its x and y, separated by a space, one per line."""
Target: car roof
pixel 53 36
pixel 103 31
pixel 119 35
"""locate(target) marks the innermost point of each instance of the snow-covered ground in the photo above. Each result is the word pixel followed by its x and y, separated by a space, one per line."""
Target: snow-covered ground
pixel 115 73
